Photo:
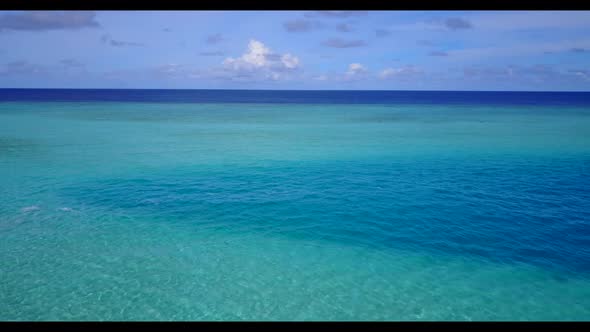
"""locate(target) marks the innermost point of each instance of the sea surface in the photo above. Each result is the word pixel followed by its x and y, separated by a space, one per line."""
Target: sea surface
pixel 294 205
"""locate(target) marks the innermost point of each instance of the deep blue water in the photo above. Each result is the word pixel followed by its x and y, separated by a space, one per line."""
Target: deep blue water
pixel 294 205
pixel 299 97
pixel 535 212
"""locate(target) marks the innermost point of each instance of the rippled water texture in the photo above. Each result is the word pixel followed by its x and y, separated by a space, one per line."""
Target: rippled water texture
pixel 280 210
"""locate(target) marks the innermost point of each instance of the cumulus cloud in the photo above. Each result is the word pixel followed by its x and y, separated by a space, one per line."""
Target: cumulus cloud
pixel 106 39
pixel 382 33
pixel 301 25
pixel 356 71
pixel 337 13
pixel 48 20
pixel 256 56
pixel 341 43
pixel 260 62
pixel 438 53
pixel 356 68
pixel 215 39
pixel 290 61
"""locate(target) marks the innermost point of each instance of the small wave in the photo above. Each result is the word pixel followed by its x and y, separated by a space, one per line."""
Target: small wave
pixel 151 201
pixel 66 209
pixel 30 208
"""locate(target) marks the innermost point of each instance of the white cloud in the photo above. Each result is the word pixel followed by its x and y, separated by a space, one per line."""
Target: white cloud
pixel 290 61
pixel 355 69
pixel 256 57
pixel 387 72
pixel 260 56
pixel 260 61
pixel 355 72
pixel 585 74
pixel 404 72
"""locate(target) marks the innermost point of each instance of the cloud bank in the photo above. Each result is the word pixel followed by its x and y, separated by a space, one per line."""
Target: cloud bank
pixel 48 20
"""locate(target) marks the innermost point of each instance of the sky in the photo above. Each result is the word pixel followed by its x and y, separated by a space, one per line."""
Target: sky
pixel 299 50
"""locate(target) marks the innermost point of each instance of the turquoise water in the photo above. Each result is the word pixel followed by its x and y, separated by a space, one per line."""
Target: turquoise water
pixel 213 211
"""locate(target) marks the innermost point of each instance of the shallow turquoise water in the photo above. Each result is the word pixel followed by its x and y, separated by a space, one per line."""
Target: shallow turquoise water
pixel 138 211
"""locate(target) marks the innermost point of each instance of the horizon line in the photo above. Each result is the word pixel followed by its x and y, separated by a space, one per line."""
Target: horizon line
pixel 302 90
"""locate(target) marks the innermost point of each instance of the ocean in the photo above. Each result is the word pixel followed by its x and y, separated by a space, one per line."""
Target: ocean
pixel 294 205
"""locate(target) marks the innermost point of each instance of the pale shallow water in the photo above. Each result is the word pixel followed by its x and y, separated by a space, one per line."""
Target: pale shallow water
pixel 228 211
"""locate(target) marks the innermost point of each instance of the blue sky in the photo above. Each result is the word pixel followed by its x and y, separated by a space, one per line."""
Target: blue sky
pixel 380 50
